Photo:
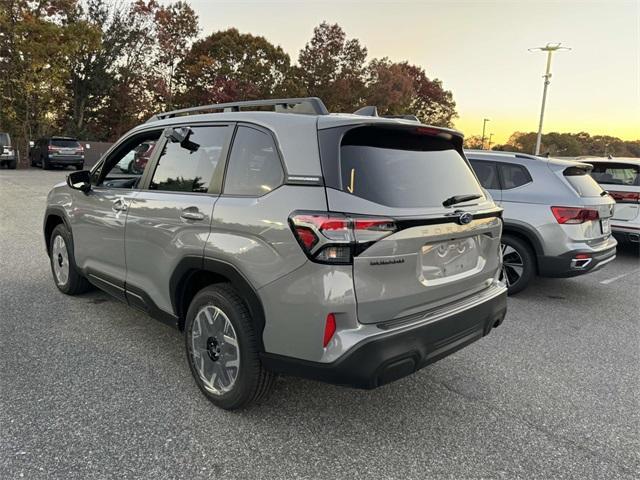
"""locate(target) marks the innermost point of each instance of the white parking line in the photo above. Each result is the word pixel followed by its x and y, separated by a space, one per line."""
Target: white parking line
pixel 618 277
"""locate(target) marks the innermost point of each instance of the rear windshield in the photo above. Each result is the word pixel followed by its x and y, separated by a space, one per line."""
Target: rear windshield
pixel 582 182
pixel 4 139
pixel 57 142
pixel 616 174
pixel 402 169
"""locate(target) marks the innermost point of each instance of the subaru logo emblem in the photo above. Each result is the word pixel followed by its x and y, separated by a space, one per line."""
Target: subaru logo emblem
pixel 465 218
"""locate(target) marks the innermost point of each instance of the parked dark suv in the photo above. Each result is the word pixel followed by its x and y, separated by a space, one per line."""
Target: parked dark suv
pixel 57 151
pixel 353 249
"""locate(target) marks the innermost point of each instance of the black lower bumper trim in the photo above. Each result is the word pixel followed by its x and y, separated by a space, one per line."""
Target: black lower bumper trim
pixel 390 356
pixel 560 266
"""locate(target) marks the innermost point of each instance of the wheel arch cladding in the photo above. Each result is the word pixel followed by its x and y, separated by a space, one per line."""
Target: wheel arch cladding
pixel 526 234
pixel 194 273
pixel 53 217
pixel 529 239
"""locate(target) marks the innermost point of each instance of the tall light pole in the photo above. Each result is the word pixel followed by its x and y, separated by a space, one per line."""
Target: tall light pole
pixel 549 48
pixel 484 125
pixel 490 137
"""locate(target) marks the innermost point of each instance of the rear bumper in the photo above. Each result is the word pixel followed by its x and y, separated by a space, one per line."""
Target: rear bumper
pixel 388 357
pixel 7 158
pixel 566 265
pixel 626 233
pixel 66 160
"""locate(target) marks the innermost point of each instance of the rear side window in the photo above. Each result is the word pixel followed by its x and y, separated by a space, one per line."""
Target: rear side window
pixel 582 182
pixel 182 169
pixel 513 176
pixel 64 143
pixel 487 173
pixel 403 169
pixel 616 174
pixel 254 166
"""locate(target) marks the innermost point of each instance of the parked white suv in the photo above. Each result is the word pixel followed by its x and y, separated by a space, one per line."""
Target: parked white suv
pixel 621 178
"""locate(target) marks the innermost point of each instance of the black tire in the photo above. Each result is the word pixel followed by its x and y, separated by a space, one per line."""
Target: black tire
pixel 253 382
pixel 11 165
pixel 79 167
pixel 75 283
pixel 512 248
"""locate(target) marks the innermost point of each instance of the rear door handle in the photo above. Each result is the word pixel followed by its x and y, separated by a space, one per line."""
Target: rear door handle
pixel 119 205
pixel 192 213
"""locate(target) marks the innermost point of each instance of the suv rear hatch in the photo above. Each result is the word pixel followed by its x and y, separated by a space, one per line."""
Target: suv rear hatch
pixel 622 181
pixel 419 254
pixel 589 218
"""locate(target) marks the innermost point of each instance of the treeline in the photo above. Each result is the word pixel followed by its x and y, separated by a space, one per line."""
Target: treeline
pixel 564 144
pixel 95 68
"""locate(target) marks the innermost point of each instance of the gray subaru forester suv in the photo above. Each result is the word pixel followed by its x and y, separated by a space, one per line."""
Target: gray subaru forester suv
pixel 345 248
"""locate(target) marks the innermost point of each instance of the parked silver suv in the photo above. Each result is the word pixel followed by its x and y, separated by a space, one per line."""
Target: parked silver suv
pixel 345 248
pixel 556 217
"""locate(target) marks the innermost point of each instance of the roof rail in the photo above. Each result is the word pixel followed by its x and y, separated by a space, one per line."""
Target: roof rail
pixel 307 105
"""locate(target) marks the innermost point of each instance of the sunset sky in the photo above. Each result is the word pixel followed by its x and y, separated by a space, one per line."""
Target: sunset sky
pixel 479 50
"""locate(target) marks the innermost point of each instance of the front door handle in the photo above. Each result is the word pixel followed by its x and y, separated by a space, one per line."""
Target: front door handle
pixel 119 205
pixel 192 213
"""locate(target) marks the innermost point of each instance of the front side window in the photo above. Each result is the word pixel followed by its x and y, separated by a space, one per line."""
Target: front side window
pixel 254 165
pixel 189 166
pixel 487 173
pixel 514 176
pixel 125 166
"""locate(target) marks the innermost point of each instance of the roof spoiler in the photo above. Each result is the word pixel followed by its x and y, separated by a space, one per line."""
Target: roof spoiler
pixel 306 105
pixel 372 111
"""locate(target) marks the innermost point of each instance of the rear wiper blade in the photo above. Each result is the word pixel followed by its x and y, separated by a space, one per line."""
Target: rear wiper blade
pixel 459 199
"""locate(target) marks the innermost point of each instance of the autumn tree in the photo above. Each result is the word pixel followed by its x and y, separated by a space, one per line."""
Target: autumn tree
pixel 176 26
pixel 35 43
pixel 228 66
pixel 333 68
pixel 402 88
pixel 474 142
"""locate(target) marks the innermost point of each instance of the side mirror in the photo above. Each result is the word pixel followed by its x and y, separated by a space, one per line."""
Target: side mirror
pixel 80 180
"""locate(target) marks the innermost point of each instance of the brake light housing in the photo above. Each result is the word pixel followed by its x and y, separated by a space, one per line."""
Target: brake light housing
pixel 574 215
pixel 335 238
pixel 625 197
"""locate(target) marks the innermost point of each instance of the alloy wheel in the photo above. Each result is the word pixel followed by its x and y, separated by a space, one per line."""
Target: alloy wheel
pixel 214 350
pixel 60 260
pixel 512 265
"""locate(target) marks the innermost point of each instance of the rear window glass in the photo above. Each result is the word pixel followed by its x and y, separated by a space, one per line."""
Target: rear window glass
pixel 402 169
pixel 582 182
pixel 56 142
pixel 616 174
pixel 4 139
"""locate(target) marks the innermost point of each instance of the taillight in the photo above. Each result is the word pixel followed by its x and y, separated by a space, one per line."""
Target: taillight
pixel 625 197
pixel 574 215
pixel 336 238
pixel 52 148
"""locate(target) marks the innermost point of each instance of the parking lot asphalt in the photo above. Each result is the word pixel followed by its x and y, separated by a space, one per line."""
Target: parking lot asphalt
pixel 90 388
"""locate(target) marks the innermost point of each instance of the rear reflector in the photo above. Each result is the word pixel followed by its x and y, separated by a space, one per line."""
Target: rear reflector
pixel 625 197
pixel 574 215
pixel 329 329
pixel 582 256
